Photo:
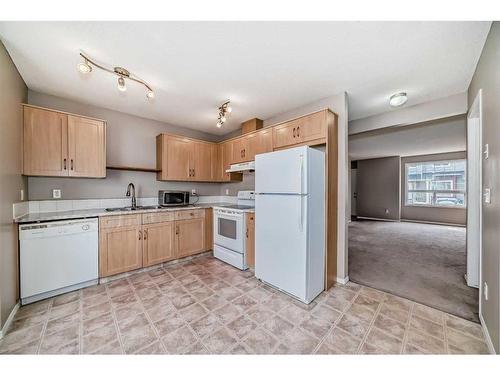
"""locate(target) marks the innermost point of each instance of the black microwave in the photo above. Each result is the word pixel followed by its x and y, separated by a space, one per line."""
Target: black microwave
pixel 173 198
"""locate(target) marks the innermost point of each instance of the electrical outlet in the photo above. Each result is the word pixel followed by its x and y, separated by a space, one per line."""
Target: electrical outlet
pixel 485 291
pixel 22 194
pixel 56 193
pixel 193 191
pixel 486 151
pixel 227 191
pixel 487 195
pixel 386 210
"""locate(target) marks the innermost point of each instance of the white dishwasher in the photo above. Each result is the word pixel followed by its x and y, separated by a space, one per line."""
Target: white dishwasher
pixel 57 257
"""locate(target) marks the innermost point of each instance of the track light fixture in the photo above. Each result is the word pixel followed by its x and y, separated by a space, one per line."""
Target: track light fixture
pixel 85 67
pixel 224 111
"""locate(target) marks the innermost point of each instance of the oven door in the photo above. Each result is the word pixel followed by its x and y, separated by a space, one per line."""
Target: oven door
pixel 228 230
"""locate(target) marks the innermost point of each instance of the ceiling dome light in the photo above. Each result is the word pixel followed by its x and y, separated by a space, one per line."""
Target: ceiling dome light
pixel 150 94
pixel 84 67
pixel 397 100
pixel 121 84
pixel 219 124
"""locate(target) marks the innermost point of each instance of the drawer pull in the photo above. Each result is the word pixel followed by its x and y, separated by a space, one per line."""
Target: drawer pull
pixel 298 128
pixel 293 132
pixel 140 235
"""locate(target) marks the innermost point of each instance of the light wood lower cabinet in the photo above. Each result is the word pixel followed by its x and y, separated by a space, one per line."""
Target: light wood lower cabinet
pixel 190 237
pixel 130 242
pixel 120 250
pixel 159 243
pixel 250 239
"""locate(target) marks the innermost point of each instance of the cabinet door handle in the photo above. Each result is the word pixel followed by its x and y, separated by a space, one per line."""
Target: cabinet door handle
pixel 177 230
pixel 194 172
pixel 145 234
pixel 244 152
pixel 140 235
pixel 246 234
pixel 298 128
pixel 64 161
pixel 293 132
pixel 72 164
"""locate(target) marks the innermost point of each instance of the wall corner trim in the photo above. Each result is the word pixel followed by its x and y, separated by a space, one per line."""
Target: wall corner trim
pixel 9 320
pixel 343 281
pixel 486 334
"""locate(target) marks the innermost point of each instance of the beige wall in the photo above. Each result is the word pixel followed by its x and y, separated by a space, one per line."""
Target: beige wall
pixel 13 93
pixel 487 78
pixel 130 141
pixel 378 188
pixel 432 214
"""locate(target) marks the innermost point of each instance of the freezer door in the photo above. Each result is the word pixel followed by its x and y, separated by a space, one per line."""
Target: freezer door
pixel 282 172
pixel 280 242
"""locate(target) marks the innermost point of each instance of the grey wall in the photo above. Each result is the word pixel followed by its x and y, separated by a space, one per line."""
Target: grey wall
pixel 131 141
pixel 13 93
pixel 487 78
pixel 378 188
pixel 443 215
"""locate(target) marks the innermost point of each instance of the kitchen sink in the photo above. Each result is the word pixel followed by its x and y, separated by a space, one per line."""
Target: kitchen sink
pixel 138 208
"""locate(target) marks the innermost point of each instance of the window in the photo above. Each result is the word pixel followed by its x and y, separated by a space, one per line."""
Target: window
pixel 436 183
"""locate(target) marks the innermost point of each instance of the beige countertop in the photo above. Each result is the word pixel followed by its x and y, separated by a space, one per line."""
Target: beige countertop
pixel 78 214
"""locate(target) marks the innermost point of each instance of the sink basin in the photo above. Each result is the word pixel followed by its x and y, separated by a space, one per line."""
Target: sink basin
pixel 138 208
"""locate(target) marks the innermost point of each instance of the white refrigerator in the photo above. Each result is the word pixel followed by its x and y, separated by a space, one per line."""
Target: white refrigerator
pixel 290 221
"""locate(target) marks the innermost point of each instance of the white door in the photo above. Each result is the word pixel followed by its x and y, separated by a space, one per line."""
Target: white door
pixel 474 191
pixel 280 242
pixel 282 171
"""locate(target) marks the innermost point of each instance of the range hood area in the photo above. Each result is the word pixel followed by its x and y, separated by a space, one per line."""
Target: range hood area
pixel 248 166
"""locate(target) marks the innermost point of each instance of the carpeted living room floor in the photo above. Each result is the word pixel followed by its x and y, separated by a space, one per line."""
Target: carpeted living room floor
pixel 422 262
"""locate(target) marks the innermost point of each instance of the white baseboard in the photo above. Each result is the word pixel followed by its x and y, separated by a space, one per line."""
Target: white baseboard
pixel 377 219
pixel 487 335
pixel 343 281
pixel 9 320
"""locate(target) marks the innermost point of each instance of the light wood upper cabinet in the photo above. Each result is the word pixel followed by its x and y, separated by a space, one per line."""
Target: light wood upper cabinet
pixel 190 237
pixel 177 158
pixel 285 135
pixel 45 143
pixel 86 150
pixel 59 144
pixel 225 154
pixel 159 243
pixel 250 239
pixel 263 142
pixel 239 152
pixel 120 247
pixel 310 129
pixel 184 159
pixel 202 162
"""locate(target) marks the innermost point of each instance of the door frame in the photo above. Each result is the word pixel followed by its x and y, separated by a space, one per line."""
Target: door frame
pixel 474 199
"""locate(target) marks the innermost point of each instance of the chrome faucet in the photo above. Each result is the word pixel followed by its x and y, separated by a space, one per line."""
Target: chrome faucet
pixel 134 203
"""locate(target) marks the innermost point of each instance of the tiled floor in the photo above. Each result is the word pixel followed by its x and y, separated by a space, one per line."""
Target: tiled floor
pixel 205 306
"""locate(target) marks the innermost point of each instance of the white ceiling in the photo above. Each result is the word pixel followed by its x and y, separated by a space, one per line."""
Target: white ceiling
pixel 265 68
pixel 433 137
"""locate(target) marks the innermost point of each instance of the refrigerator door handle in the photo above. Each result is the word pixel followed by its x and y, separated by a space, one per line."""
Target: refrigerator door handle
pixel 301 160
pixel 301 213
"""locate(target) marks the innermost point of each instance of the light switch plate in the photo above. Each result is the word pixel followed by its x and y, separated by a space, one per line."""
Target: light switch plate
pixel 485 291
pixel 56 193
pixel 487 195
pixel 22 194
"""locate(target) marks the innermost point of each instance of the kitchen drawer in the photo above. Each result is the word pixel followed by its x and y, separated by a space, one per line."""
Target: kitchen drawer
pixel 157 217
pixel 115 221
pixel 189 214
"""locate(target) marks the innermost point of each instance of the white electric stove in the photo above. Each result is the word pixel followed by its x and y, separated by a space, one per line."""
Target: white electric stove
pixel 230 229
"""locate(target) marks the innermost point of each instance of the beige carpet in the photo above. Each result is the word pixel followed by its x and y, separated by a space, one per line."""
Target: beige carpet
pixel 422 262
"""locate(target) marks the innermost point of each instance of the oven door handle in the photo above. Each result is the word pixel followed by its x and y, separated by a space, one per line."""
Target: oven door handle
pixel 227 215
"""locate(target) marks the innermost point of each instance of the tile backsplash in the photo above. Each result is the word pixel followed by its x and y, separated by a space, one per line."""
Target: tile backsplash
pixel 23 208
